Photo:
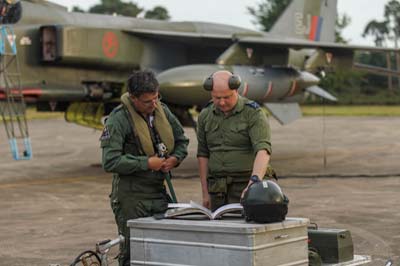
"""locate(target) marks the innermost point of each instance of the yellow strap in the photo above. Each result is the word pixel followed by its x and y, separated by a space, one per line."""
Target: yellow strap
pixel 142 130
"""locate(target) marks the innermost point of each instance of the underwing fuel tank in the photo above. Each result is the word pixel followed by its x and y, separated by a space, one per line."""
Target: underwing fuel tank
pixel 184 85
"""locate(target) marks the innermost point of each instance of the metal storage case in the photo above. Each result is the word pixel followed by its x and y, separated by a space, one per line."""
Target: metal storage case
pixel 218 242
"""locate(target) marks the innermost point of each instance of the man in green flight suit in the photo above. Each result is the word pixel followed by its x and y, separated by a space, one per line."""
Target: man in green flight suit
pixel 233 142
pixel 134 133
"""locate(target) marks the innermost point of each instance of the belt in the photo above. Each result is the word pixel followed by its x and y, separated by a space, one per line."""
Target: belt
pixel 232 177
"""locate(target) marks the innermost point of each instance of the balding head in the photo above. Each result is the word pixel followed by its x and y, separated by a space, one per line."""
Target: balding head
pixel 223 97
pixel 221 80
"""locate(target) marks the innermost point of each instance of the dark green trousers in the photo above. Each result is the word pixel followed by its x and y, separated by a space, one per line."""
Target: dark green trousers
pixel 127 203
pixel 225 190
pixel 228 187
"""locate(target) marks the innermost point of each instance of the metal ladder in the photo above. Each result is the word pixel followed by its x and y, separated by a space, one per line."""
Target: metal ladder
pixel 12 103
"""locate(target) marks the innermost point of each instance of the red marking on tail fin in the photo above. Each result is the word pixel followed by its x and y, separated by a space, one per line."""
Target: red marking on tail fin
pixel 314 28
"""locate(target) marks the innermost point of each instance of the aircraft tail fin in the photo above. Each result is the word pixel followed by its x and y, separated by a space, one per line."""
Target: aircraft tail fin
pixel 308 19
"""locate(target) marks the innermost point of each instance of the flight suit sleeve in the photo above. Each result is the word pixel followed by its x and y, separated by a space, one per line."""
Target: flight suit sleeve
pixel 202 148
pixel 259 131
pixel 181 141
pixel 112 142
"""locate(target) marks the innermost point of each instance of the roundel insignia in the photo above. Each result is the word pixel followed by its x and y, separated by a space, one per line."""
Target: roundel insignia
pixel 110 44
pixel 105 135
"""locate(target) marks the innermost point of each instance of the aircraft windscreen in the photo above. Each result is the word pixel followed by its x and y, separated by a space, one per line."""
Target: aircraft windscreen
pixel 10 13
pixel 49 42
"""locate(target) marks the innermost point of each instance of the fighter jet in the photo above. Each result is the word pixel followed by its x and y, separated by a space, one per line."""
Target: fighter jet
pixel 79 63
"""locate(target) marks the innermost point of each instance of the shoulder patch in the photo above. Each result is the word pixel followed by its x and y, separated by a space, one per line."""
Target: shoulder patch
pixel 105 135
pixel 253 105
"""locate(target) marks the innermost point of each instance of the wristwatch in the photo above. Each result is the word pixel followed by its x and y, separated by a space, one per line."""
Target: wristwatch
pixel 254 178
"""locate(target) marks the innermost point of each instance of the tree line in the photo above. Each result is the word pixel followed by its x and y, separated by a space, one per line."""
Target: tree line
pixel 129 9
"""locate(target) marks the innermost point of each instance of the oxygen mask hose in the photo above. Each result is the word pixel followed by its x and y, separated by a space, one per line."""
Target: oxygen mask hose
pixel 162 152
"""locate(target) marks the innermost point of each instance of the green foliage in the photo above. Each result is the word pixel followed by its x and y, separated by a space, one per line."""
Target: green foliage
pixel 342 81
pixel 267 12
pixel 111 7
pixel 374 59
pixel 379 30
pixel 129 9
pixel 355 88
pixel 157 12
pixel 392 14
pixel 342 22
pixel 389 28
pixel 381 97
pixel 77 9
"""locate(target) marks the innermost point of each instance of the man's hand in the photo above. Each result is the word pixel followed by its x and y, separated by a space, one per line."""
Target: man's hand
pixel 155 163
pixel 245 189
pixel 169 163
pixel 206 200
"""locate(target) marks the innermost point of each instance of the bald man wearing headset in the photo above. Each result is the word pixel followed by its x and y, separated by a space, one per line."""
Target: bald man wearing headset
pixel 234 144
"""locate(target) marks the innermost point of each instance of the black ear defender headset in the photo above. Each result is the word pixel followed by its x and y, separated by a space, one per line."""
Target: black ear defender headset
pixel 233 82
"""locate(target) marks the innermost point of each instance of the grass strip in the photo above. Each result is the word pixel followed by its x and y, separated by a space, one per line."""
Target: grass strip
pixel 351 110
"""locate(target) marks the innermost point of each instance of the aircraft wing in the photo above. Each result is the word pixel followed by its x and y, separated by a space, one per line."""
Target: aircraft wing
pixel 195 34
pixel 301 44
pixel 267 48
pixel 183 37
pixel 255 38
pixel 162 34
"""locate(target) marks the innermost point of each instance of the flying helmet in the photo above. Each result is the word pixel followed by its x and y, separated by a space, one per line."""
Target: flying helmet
pixel 10 11
pixel 8 2
pixel 264 202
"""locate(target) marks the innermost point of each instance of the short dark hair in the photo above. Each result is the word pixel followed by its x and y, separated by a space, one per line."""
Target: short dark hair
pixel 142 81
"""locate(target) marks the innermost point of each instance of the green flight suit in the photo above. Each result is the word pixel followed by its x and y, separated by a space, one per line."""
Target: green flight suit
pixel 136 190
pixel 231 142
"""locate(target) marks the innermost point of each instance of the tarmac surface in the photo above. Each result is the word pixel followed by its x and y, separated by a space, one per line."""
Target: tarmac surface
pixel 56 205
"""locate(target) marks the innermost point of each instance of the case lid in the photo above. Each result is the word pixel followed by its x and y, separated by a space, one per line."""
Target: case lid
pixel 238 226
